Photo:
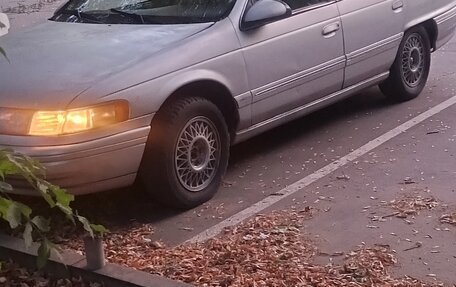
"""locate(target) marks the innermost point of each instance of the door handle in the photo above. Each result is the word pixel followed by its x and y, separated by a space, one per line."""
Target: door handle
pixel 397 5
pixel 331 29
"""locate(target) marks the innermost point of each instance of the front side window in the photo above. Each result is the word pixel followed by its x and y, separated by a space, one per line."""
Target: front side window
pixel 144 11
pixel 298 4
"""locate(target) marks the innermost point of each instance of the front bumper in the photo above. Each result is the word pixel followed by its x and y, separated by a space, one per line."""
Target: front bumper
pixel 87 162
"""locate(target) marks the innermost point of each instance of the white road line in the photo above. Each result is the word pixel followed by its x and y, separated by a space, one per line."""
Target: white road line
pixel 324 171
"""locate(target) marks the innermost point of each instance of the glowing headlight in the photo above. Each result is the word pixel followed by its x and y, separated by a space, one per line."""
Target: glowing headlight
pixel 50 123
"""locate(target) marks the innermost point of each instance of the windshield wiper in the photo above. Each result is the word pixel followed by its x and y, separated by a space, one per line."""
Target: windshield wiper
pixel 81 15
pixel 131 15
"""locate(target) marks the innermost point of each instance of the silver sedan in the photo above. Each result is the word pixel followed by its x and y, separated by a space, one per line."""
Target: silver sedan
pixel 110 90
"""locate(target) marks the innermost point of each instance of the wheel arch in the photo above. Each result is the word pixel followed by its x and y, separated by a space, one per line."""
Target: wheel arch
pixel 211 87
pixel 431 28
pixel 396 86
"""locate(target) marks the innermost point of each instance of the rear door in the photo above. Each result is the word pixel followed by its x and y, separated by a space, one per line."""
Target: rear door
pixel 295 60
pixel 373 30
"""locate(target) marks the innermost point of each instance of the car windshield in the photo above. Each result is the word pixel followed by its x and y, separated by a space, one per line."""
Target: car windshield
pixel 143 11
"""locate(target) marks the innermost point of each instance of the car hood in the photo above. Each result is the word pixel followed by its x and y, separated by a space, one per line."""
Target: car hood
pixel 49 65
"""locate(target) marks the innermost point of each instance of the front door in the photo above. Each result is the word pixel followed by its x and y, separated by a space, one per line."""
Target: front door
pixel 296 60
pixel 373 30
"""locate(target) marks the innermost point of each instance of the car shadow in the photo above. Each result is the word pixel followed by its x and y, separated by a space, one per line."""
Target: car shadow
pixel 114 208
pixel 348 109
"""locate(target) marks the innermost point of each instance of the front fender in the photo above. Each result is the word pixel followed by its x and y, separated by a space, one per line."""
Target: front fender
pixel 188 77
pixel 148 97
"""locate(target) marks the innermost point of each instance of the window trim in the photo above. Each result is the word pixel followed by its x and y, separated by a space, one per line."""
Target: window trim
pixel 312 7
pixel 294 12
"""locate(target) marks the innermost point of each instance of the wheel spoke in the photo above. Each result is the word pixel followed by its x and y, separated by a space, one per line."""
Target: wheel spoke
pixel 413 60
pixel 197 154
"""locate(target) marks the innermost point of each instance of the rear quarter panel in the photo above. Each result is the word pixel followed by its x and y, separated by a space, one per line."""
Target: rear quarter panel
pixel 418 11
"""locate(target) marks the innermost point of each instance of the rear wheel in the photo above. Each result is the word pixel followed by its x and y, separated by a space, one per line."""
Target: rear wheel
pixel 410 70
pixel 187 153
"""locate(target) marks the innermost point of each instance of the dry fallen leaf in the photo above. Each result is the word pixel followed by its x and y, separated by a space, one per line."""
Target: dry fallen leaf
pixel 411 205
pixel 448 218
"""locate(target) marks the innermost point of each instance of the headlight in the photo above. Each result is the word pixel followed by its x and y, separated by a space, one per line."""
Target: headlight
pixel 14 121
pixel 53 123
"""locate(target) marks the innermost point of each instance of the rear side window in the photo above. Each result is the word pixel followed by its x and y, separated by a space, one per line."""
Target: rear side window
pixel 298 4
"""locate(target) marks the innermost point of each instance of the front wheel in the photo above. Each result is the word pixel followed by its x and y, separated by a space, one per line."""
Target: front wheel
pixel 410 70
pixel 187 153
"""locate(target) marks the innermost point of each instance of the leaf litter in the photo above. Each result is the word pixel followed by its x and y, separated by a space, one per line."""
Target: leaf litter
pixel 267 250
pixel 412 205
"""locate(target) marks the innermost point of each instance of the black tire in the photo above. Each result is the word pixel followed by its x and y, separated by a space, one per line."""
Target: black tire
pixel 189 133
pixel 410 70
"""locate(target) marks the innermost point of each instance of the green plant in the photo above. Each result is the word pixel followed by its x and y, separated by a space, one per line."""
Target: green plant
pixel 20 216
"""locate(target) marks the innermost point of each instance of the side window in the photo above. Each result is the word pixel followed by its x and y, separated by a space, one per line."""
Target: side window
pixel 298 4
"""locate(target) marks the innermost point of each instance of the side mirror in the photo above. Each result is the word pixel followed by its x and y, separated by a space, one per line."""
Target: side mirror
pixel 263 12
pixel 4 24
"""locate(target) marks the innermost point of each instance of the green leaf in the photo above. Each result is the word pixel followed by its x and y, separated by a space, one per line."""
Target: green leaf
pixel 85 224
pixel 25 210
pixel 15 211
pixel 7 167
pixel 61 196
pixel 44 189
pixel 5 187
pixel 66 210
pixel 43 224
pixel 27 235
pixel 98 228
pixel 44 252
pixel 49 200
pixel 4 206
pixel 27 167
pixel 56 250
pixel 13 215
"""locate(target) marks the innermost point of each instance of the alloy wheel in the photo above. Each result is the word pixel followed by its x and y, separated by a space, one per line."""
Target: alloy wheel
pixel 413 60
pixel 197 154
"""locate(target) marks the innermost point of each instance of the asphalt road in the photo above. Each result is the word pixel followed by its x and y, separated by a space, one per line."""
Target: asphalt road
pixel 419 161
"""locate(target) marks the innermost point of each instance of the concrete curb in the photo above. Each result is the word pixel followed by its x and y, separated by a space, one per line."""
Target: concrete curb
pixel 73 265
